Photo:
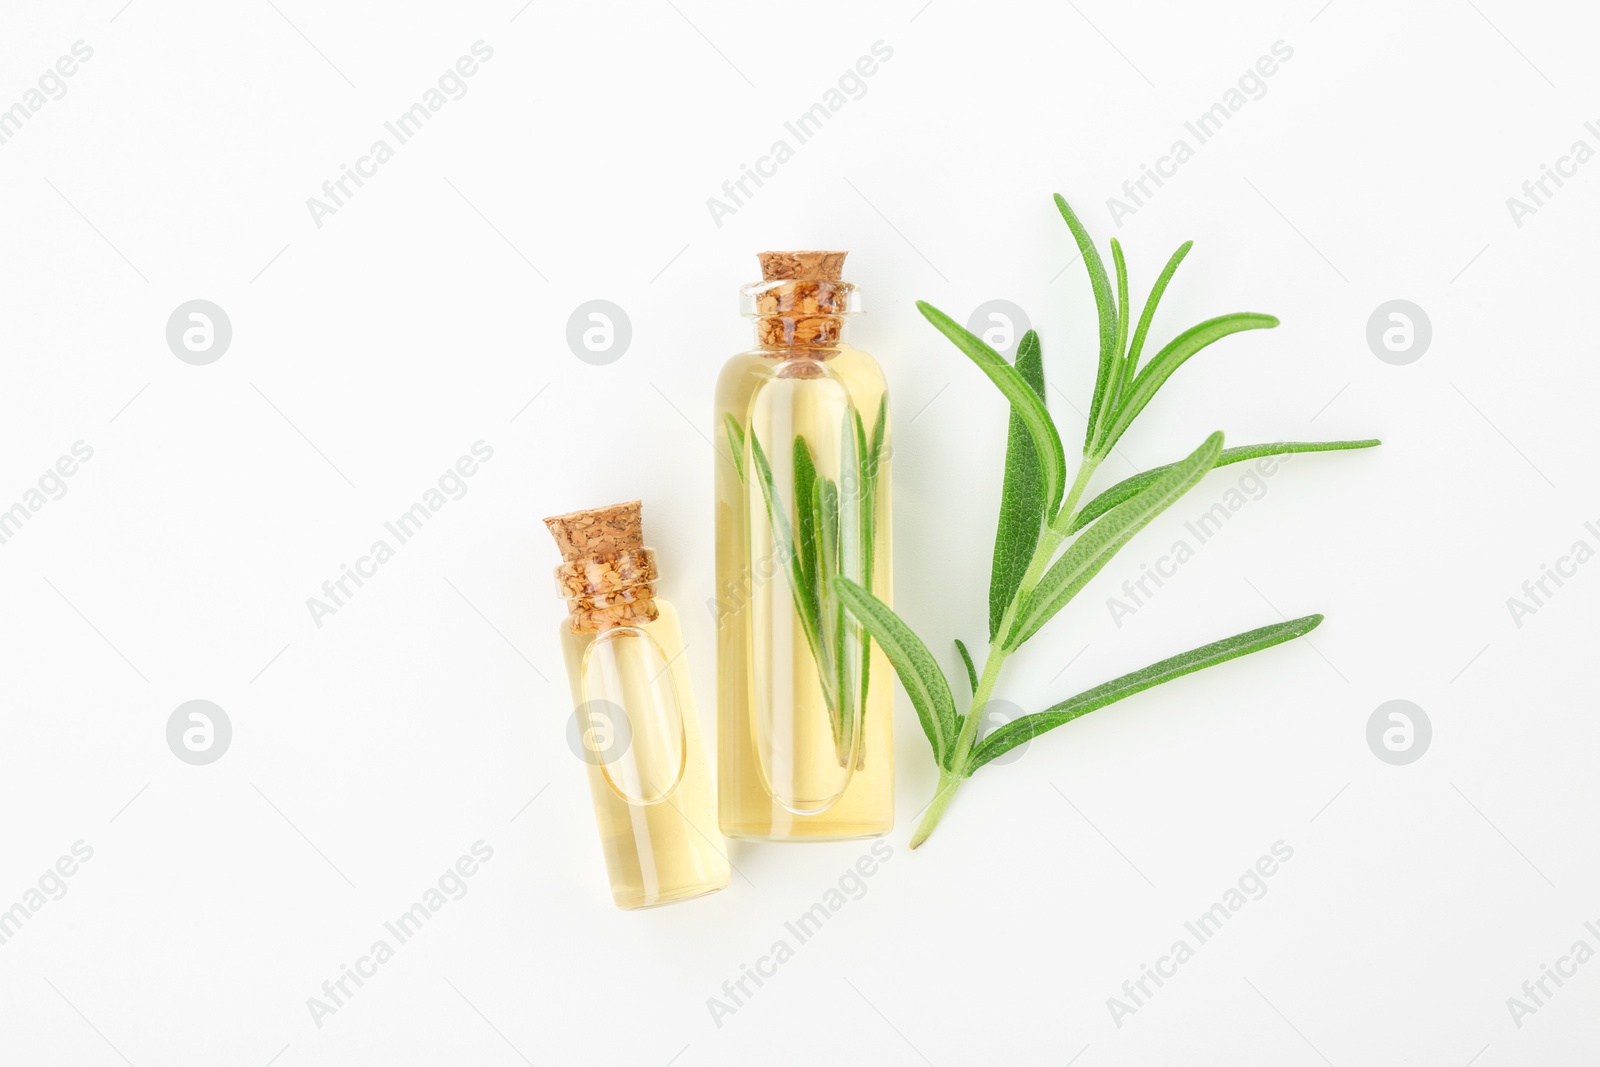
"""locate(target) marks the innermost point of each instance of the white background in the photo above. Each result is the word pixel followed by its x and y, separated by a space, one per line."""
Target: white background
pixel 369 353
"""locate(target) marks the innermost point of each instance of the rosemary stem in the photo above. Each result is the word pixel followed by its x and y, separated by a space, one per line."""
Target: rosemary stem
pixel 1050 538
pixel 948 784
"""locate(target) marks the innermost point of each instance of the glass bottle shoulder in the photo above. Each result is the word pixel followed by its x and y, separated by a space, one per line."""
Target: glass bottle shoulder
pixel 856 370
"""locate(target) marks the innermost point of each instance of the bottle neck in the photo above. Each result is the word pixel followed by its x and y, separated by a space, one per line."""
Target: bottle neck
pixel 817 336
pixel 605 592
pixel 803 317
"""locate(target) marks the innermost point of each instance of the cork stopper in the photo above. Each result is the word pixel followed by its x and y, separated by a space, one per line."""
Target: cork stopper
pixel 607 575
pixel 800 302
pixel 801 266
pixel 598 531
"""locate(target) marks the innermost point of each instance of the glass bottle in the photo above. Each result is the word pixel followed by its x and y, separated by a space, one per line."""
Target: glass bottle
pixel 634 722
pixel 805 699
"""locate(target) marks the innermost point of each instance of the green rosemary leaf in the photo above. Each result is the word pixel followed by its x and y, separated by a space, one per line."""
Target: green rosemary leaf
pixel 801 589
pixel 1105 309
pixel 859 428
pixel 1119 369
pixel 736 443
pixel 845 505
pixel 870 455
pixel 858 458
pixel 827 653
pixel 1169 359
pixel 918 671
pixel 880 428
pixel 1024 401
pixel 805 480
pixel 1156 292
pixel 1024 729
pixel 825 514
pixel 972 671
pixel 1094 548
pixel 1128 361
pixel 1021 495
pixel 1129 486
pixel 781 531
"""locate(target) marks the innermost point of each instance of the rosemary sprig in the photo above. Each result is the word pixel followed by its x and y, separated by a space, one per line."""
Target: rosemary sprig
pixel 1049 544
pixel 830 537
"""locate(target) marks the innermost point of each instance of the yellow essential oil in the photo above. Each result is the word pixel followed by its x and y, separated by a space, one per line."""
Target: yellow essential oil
pixel 635 721
pixel 805 699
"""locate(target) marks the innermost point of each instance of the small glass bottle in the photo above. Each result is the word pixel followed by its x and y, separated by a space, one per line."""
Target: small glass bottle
pixel 634 722
pixel 805 699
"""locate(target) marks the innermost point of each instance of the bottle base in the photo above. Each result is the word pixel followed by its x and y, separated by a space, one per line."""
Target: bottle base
pixel 804 834
pixel 639 901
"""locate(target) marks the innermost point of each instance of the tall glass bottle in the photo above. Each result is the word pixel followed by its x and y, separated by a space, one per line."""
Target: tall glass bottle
pixel 805 699
pixel 634 722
